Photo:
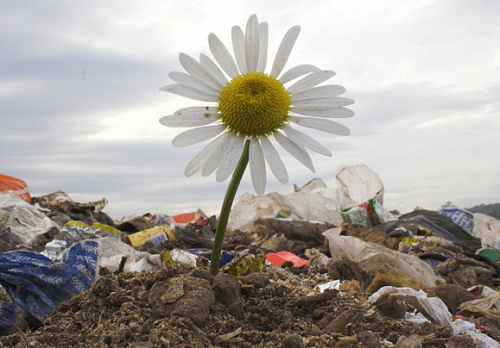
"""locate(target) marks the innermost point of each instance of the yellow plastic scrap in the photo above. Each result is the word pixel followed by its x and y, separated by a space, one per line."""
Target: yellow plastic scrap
pixel 409 240
pixel 99 226
pixel 139 238
pixel 423 231
pixel 168 261
pixel 249 262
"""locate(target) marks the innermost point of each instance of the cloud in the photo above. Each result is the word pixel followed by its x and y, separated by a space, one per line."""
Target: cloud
pixel 80 101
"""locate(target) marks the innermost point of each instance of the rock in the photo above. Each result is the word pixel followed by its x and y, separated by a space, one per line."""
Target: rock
pixel 408 342
pixel 293 341
pixel 339 324
pixel 237 310
pixel 453 296
pixel 346 269
pixel 369 234
pixel 135 224
pixel 187 297
pixel 310 303
pixel 253 282
pixel 227 288
pixel 388 277
pixel 465 277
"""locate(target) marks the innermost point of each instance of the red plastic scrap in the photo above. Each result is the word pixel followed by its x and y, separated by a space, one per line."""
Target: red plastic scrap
pixel 184 218
pixel 15 186
pixel 200 222
pixel 277 259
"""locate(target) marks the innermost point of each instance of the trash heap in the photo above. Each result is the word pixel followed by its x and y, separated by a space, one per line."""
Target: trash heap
pixel 331 267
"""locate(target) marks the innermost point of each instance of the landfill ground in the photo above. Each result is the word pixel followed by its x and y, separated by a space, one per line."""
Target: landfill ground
pixel 178 307
pixel 183 306
pixel 445 294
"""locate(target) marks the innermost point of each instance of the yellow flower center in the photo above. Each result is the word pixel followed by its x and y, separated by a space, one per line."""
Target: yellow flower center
pixel 254 104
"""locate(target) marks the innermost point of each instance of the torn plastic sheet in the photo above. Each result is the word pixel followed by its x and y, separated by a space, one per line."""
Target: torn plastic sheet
pixel 462 327
pixel 112 251
pixel 373 257
pixel 359 183
pixel 24 221
pixel 432 308
pixel 76 231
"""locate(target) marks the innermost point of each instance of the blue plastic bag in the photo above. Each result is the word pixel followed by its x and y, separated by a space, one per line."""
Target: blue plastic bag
pixel 38 285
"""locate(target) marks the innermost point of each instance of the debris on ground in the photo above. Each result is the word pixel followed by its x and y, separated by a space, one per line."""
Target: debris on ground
pixel 313 268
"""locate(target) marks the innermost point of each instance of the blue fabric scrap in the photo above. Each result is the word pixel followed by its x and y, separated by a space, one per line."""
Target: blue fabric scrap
pixel 7 315
pixel 38 285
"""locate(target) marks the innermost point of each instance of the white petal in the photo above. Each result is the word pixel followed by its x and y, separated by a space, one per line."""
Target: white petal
pixel 191 81
pixel 190 92
pixel 230 159
pixel 197 135
pixel 239 48
pixel 310 81
pixel 273 159
pixel 295 150
pixel 263 43
pixel 252 43
pixel 257 167
pixel 199 160
pixel 325 113
pixel 326 91
pixel 197 70
pixel 209 64
pixel 323 103
pixel 284 50
pixel 222 56
pixel 191 117
pixel 306 141
pixel 218 153
pixel 321 124
pixel 297 71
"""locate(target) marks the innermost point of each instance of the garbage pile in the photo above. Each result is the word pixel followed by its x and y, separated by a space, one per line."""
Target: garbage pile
pixel 439 267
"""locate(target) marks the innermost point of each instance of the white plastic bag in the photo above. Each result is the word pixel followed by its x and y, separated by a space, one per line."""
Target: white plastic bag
pixel 487 229
pixel 111 251
pixel 372 257
pixel 308 204
pixel 25 222
pixel 359 183
pixel 432 308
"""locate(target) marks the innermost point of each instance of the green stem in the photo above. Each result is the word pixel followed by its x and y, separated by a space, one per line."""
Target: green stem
pixel 226 208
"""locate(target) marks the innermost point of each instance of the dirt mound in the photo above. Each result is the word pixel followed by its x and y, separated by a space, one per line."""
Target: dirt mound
pixel 188 307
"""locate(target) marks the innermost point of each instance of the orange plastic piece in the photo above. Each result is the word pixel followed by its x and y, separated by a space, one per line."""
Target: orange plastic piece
pixel 16 186
pixel 278 258
pixel 184 218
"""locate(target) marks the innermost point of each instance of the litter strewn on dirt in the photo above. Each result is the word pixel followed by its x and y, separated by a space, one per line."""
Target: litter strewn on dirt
pixel 313 268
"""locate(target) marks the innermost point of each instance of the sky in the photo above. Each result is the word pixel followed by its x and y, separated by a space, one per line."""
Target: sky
pixel 79 98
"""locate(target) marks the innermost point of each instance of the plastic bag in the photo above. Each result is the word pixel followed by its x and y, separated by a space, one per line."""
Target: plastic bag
pixel 300 205
pixel 373 257
pixel 75 231
pixel 432 308
pixel 162 234
pixel 112 251
pixel 38 284
pixel 442 226
pixel 24 222
pixel 462 218
pixel 462 327
pixel 370 213
pixel 487 229
pixel 359 183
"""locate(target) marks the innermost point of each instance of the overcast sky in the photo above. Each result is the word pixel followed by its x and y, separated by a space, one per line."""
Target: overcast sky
pixel 79 99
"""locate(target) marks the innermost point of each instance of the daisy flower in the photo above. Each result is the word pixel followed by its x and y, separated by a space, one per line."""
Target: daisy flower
pixel 252 107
